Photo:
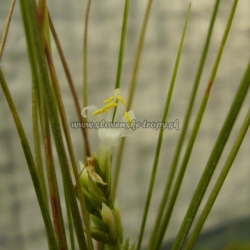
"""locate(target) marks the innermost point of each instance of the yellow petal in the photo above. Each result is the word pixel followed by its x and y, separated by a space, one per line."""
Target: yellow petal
pixel 109 99
pixel 97 112
pixel 119 97
pixel 109 106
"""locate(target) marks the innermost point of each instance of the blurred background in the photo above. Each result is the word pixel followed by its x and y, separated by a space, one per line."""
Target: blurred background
pixel 21 225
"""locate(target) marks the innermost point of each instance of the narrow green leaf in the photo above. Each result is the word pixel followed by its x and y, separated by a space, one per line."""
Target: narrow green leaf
pixel 117 85
pixel 71 85
pixel 213 159
pixel 37 60
pixel 71 225
pixel 173 166
pixel 6 28
pixel 51 174
pixel 37 147
pixel 58 96
pixel 31 164
pixel 219 182
pixel 160 136
pixel 53 183
pixel 85 56
pixel 122 43
pixel 120 58
pixel 176 188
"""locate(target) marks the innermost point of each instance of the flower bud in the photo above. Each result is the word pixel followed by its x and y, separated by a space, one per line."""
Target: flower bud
pixel 96 194
pixel 99 235
pixel 109 220
pixel 89 202
pixel 99 224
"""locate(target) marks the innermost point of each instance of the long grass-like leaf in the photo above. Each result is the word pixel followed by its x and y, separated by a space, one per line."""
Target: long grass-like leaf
pixel 213 159
pixel 219 182
pixel 119 68
pixel 138 54
pixel 122 44
pixel 38 98
pixel 85 56
pixel 160 136
pixel 6 28
pixel 50 166
pixel 169 209
pixel 71 85
pixel 52 180
pixel 31 164
pixel 63 116
pixel 173 166
pixel 53 184
pixel 36 55
pixel 71 225
pixel 44 20
pixel 69 141
pixel 36 135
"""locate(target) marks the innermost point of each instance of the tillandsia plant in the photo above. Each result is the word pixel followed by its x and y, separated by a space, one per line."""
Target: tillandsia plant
pixel 93 214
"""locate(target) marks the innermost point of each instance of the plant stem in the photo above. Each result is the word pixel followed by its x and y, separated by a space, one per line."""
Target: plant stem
pixel 120 59
pixel 117 85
